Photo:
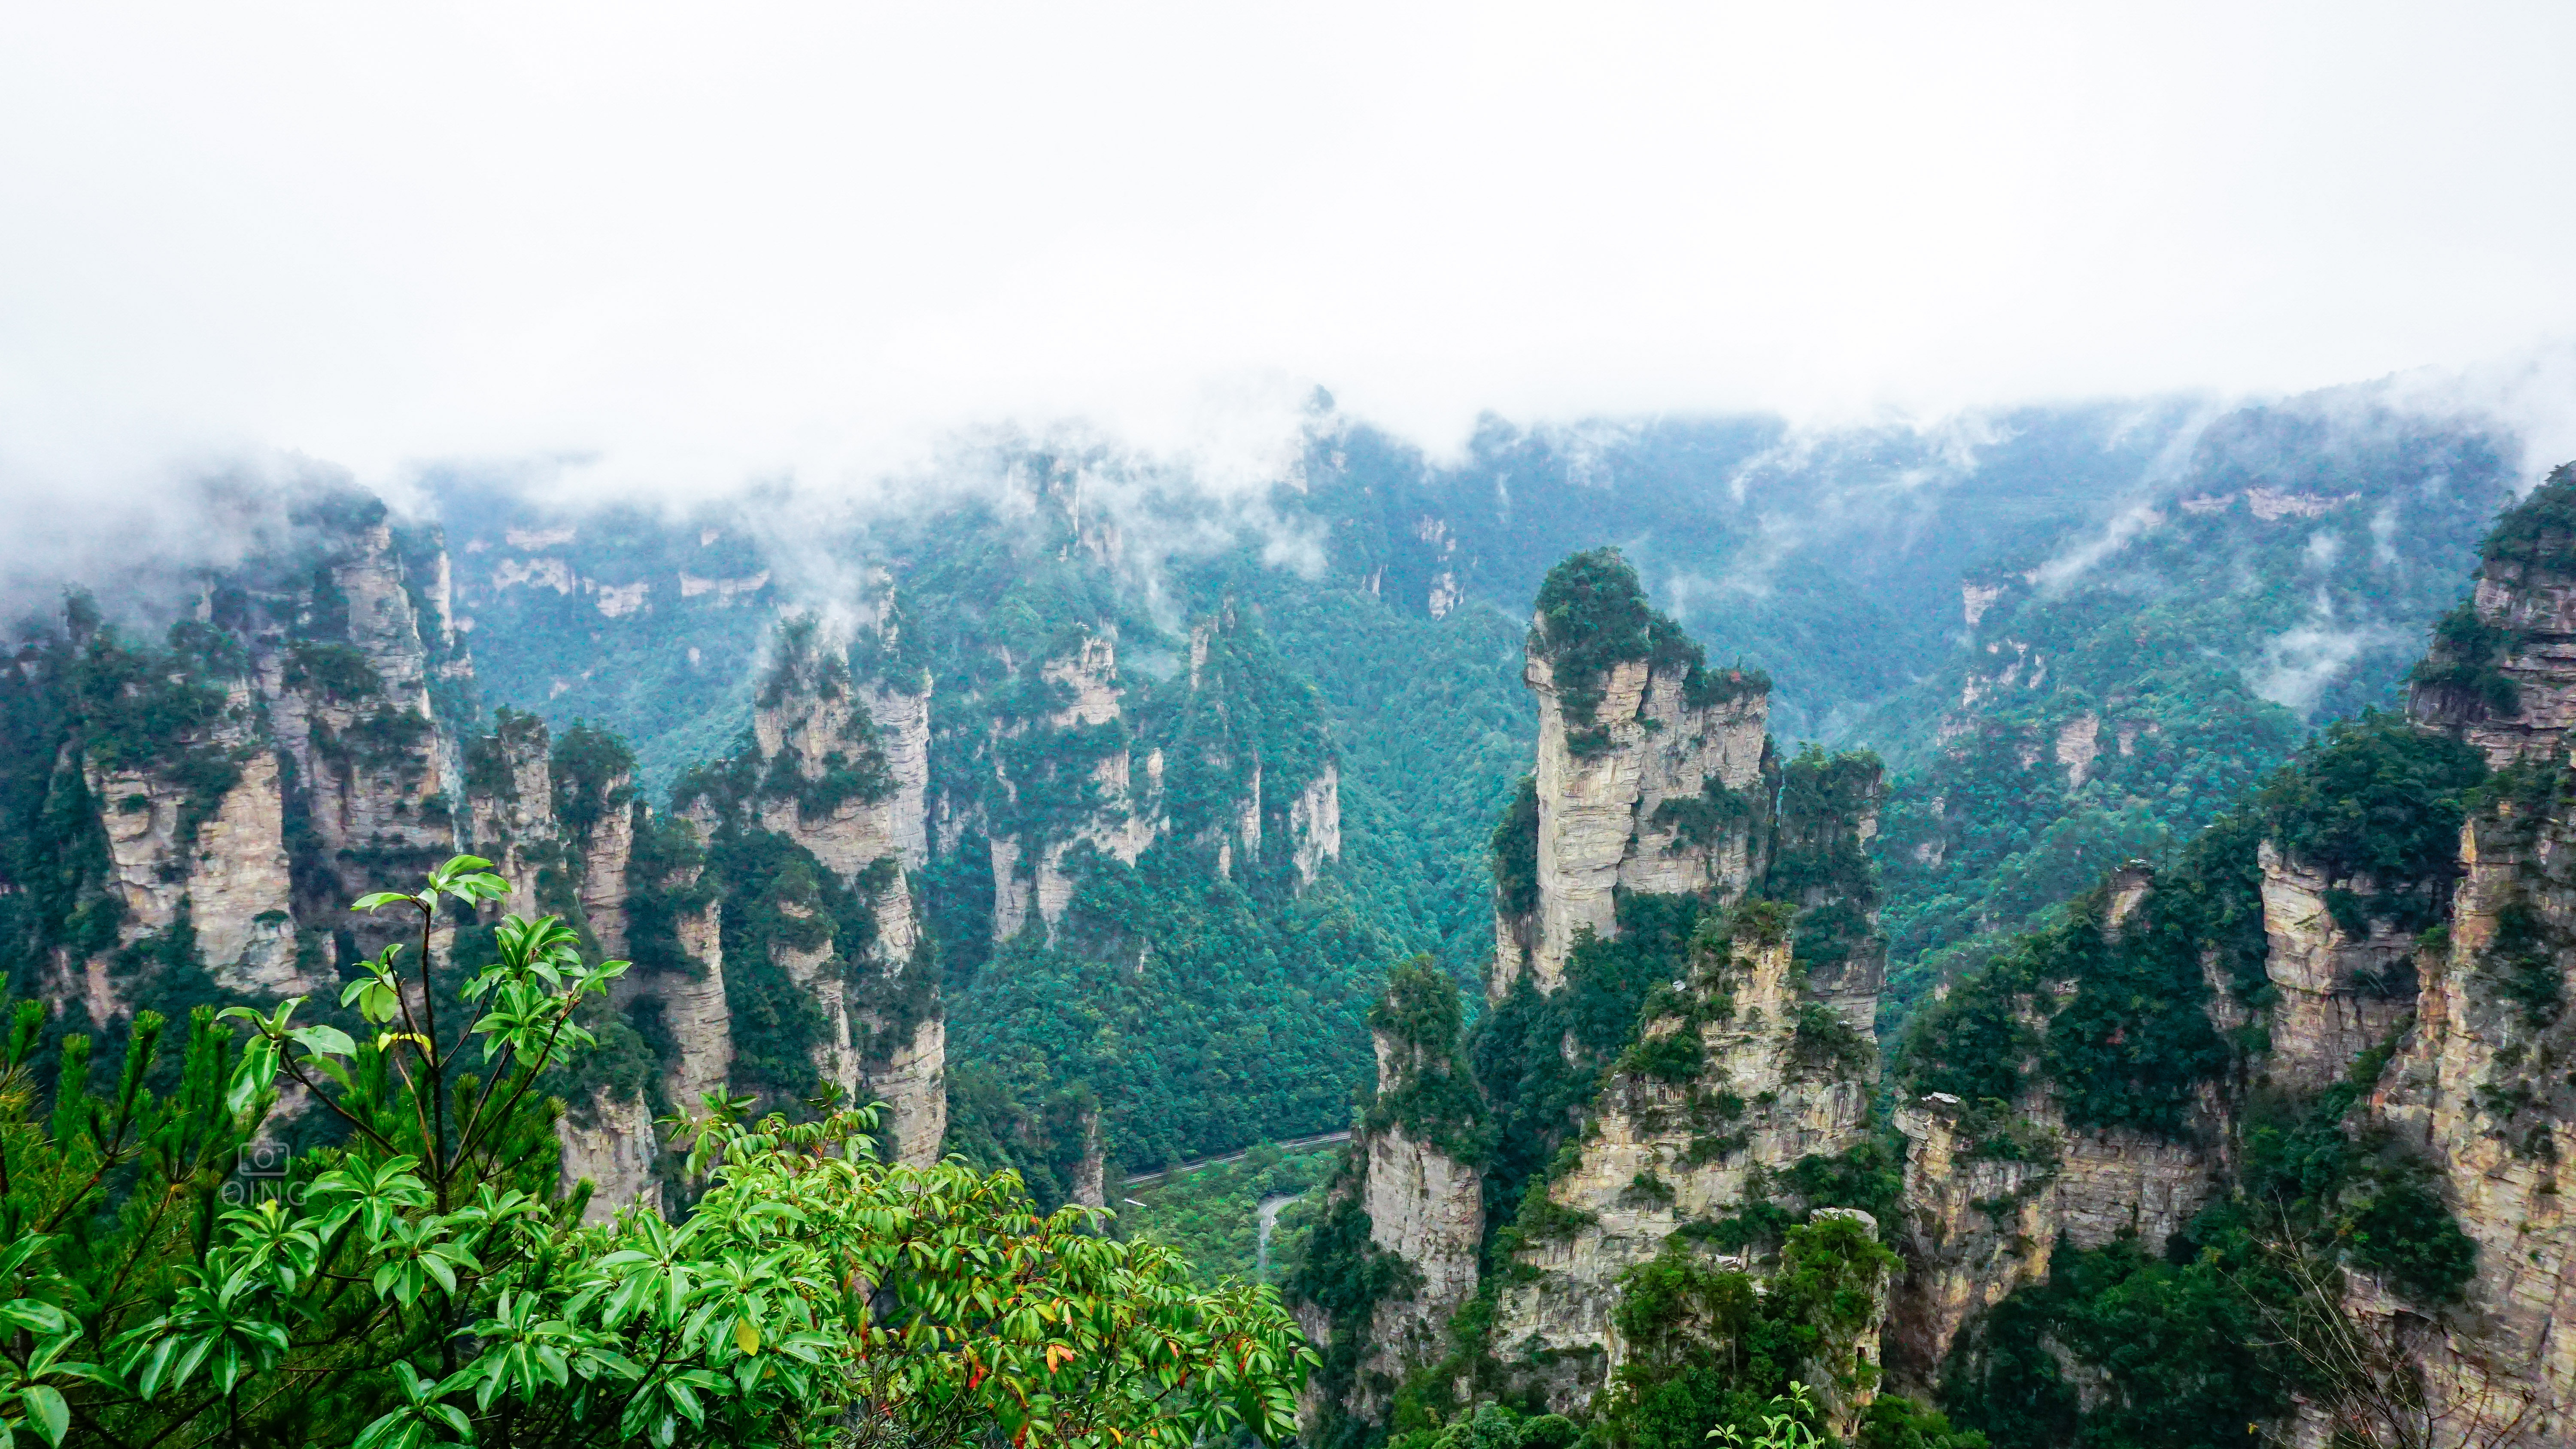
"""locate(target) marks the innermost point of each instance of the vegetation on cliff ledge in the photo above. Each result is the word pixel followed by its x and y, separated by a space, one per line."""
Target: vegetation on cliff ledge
pixel 1592 618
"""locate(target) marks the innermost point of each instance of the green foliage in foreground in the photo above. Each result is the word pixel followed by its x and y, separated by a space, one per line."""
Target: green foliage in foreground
pixel 422 1285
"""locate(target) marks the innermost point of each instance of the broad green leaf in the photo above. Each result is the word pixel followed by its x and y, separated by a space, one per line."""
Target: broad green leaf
pixel 47 1411
pixel 32 1316
pixel 323 1039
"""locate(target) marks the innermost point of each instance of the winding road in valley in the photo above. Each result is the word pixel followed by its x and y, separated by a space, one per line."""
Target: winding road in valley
pixel 1183 1169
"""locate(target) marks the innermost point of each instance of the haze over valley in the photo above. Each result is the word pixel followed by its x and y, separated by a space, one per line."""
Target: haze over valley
pixel 1391 732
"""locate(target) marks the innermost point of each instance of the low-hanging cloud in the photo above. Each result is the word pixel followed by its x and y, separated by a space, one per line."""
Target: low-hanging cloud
pixel 679 250
pixel 2300 663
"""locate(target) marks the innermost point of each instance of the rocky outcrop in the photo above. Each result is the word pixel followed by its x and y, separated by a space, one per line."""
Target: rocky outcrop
pixel 2116 1182
pixel 1315 823
pixel 611 1146
pixel 1661 792
pixel 1734 1081
pixel 2077 746
pixel 1980 1223
pixel 904 1066
pixel 842 763
pixel 804 952
pixel 1091 1171
pixel 1993 1188
pixel 1425 1207
pixel 2501 672
pixel 606 852
pixel 305 768
pixel 219 863
pixel 2479 1086
pixel 1085 734
pixel 1990 1194
pixel 1975 599
pixel 357 719
pixel 693 1007
pixel 901 720
pixel 510 797
pixel 2464 1090
pixel 238 889
pixel 1412 1172
pixel 1228 762
pixel 829 782
pixel 2337 996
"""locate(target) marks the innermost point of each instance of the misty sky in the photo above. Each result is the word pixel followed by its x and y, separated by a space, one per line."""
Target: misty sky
pixel 698 244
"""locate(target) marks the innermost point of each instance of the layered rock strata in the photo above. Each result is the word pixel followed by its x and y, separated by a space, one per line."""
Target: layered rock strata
pixel 1980 1222
pixel 1120 815
pixel 843 765
pixel 510 815
pixel 2502 673
pixel 224 872
pixel 904 1065
pixel 2338 995
pixel 613 1148
pixel 2472 1089
pixel 1412 1171
pixel 1663 792
pixel 693 1006
pixel 1732 1082
pixel 371 757
pixel 1425 1207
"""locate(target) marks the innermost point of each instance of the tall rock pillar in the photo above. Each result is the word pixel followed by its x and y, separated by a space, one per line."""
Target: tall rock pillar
pixel 1653 770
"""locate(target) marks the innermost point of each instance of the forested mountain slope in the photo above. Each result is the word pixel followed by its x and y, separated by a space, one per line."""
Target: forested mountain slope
pixel 2257 1141
pixel 1173 774
pixel 2074 633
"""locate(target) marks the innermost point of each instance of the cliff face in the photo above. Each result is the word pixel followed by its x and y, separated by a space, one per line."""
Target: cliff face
pixel 1077 764
pixel 1993 1188
pixel 1656 802
pixel 224 871
pixel 830 781
pixel 804 952
pixel 2475 1086
pixel 1981 1222
pixel 1222 761
pixel 693 1006
pixel 612 1147
pixel 349 690
pixel 2339 995
pixel 1424 1206
pixel 279 758
pixel 1737 1077
pixel 1988 1201
pixel 306 739
pixel 1661 791
pixel 905 1067
pixel 2382 937
pixel 2502 669
pixel 1413 1175
pixel 836 777
pixel 2470 1087
pixel 510 805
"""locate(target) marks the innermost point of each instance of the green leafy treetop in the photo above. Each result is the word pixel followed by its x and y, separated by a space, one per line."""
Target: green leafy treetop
pixel 1592 617
pixel 421 1284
